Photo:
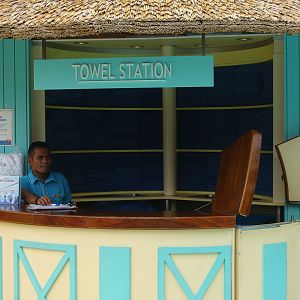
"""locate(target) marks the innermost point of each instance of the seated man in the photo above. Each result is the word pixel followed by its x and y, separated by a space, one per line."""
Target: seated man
pixel 41 186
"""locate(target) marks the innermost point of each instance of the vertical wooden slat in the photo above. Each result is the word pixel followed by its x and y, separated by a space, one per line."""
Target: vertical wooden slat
pixel 1 74
pixel 1 79
pixel 21 86
pixel 292 101
pixel 14 88
pixel 292 86
pixel 9 78
pixel 9 73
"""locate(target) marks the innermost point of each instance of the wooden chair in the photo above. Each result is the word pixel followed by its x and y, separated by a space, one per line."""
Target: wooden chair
pixel 288 154
pixel 237 175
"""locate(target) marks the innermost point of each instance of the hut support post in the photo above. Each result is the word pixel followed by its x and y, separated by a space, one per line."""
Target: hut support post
pixel 169 137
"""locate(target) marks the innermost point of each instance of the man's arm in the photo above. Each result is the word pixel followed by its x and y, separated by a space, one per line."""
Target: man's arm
pixel 31 198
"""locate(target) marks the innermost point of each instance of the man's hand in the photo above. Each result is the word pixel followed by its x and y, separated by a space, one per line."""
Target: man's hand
pixel 43 200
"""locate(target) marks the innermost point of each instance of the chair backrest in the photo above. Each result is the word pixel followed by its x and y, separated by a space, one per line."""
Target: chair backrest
pixel 288 153
pixel 237 175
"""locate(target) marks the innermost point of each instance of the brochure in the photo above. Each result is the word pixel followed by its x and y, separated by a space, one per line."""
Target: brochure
pixel 9 189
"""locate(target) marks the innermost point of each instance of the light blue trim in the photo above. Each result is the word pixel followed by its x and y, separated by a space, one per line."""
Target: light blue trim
pixel 1 73
pixel 115 273
pixel 291 86
pixel 22 95
pixel 14 89
pixel 2 81
pixel 125 72
pixel 275 271
pixel 1 271
pixel 291 101
pixel 19 256
pixel 165 259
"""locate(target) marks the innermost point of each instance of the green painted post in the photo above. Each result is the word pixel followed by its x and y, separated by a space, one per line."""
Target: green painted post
pixel 292 102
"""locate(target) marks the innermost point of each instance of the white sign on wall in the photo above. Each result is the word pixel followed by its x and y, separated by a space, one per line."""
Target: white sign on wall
pixel 6 127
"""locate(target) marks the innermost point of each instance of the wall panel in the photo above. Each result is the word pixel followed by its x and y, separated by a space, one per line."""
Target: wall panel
pixel 14 59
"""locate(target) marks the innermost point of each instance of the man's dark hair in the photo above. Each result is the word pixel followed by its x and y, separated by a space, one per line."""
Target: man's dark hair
pixel 36 145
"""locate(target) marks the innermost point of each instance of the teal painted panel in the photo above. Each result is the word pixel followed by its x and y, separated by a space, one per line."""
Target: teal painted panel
pixel 291 101
pixel 9 73
pixel 20 257
pixel 275 271
pixel 1 79
pixel 133 72
pixel 1 73
pixel 115 275
pixel 292 86
pixel 22 94
pixel 14 88
pixel 223 258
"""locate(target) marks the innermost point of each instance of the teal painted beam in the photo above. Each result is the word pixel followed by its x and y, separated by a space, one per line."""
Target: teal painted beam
pixel 275 271
pixel 1 79
pixel 115 273
pixel 292 86
pixel 291 101
pixel 15 88
pixel 9 73
pixel 1 73
pixel 22 94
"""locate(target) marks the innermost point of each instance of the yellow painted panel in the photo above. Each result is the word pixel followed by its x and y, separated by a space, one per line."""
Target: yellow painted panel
pixel 144 246
pixel 249 259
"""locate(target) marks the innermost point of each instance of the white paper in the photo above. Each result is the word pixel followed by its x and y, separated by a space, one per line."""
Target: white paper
pixel 50 207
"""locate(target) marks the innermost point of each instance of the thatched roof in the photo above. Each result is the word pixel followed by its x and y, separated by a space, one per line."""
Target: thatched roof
pixel 88 18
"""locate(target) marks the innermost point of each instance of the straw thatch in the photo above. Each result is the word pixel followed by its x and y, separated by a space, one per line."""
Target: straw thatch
pixel 88 18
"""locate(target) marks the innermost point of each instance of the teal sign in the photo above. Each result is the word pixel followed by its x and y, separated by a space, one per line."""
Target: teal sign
pixel 126 72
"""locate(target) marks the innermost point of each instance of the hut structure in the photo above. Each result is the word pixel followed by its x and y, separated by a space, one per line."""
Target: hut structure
pixel 151 143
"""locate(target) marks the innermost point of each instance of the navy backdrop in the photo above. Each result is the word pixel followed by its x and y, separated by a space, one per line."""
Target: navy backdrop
pixel 201 129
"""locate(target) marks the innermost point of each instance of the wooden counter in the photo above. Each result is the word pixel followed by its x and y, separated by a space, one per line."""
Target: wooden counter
pixel 86 254
pixel 88 218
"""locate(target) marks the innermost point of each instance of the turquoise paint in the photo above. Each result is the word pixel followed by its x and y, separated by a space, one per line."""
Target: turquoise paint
pixel 9 73
pixel 291 101
pixel 275 271
pixel 115 275
pixel 292 86
pixel 22 94
pixel 133 72
pixel 223 257
pixel 1 80
pixel 14 88
pixel 1 271
pixel 1 74
pixel 20 257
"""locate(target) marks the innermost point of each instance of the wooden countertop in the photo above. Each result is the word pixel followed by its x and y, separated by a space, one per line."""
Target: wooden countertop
pixel 88 218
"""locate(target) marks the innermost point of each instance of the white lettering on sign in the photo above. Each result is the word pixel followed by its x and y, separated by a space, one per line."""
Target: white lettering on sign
pixel 125 71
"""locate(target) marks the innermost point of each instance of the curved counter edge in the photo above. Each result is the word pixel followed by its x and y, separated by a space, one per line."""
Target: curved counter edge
pixel 85 218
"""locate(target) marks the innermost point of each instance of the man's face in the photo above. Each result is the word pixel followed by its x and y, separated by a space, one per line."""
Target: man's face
pixel 40 162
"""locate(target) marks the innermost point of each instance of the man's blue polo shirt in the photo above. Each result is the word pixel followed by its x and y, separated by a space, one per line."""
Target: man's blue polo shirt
pixel 56 187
